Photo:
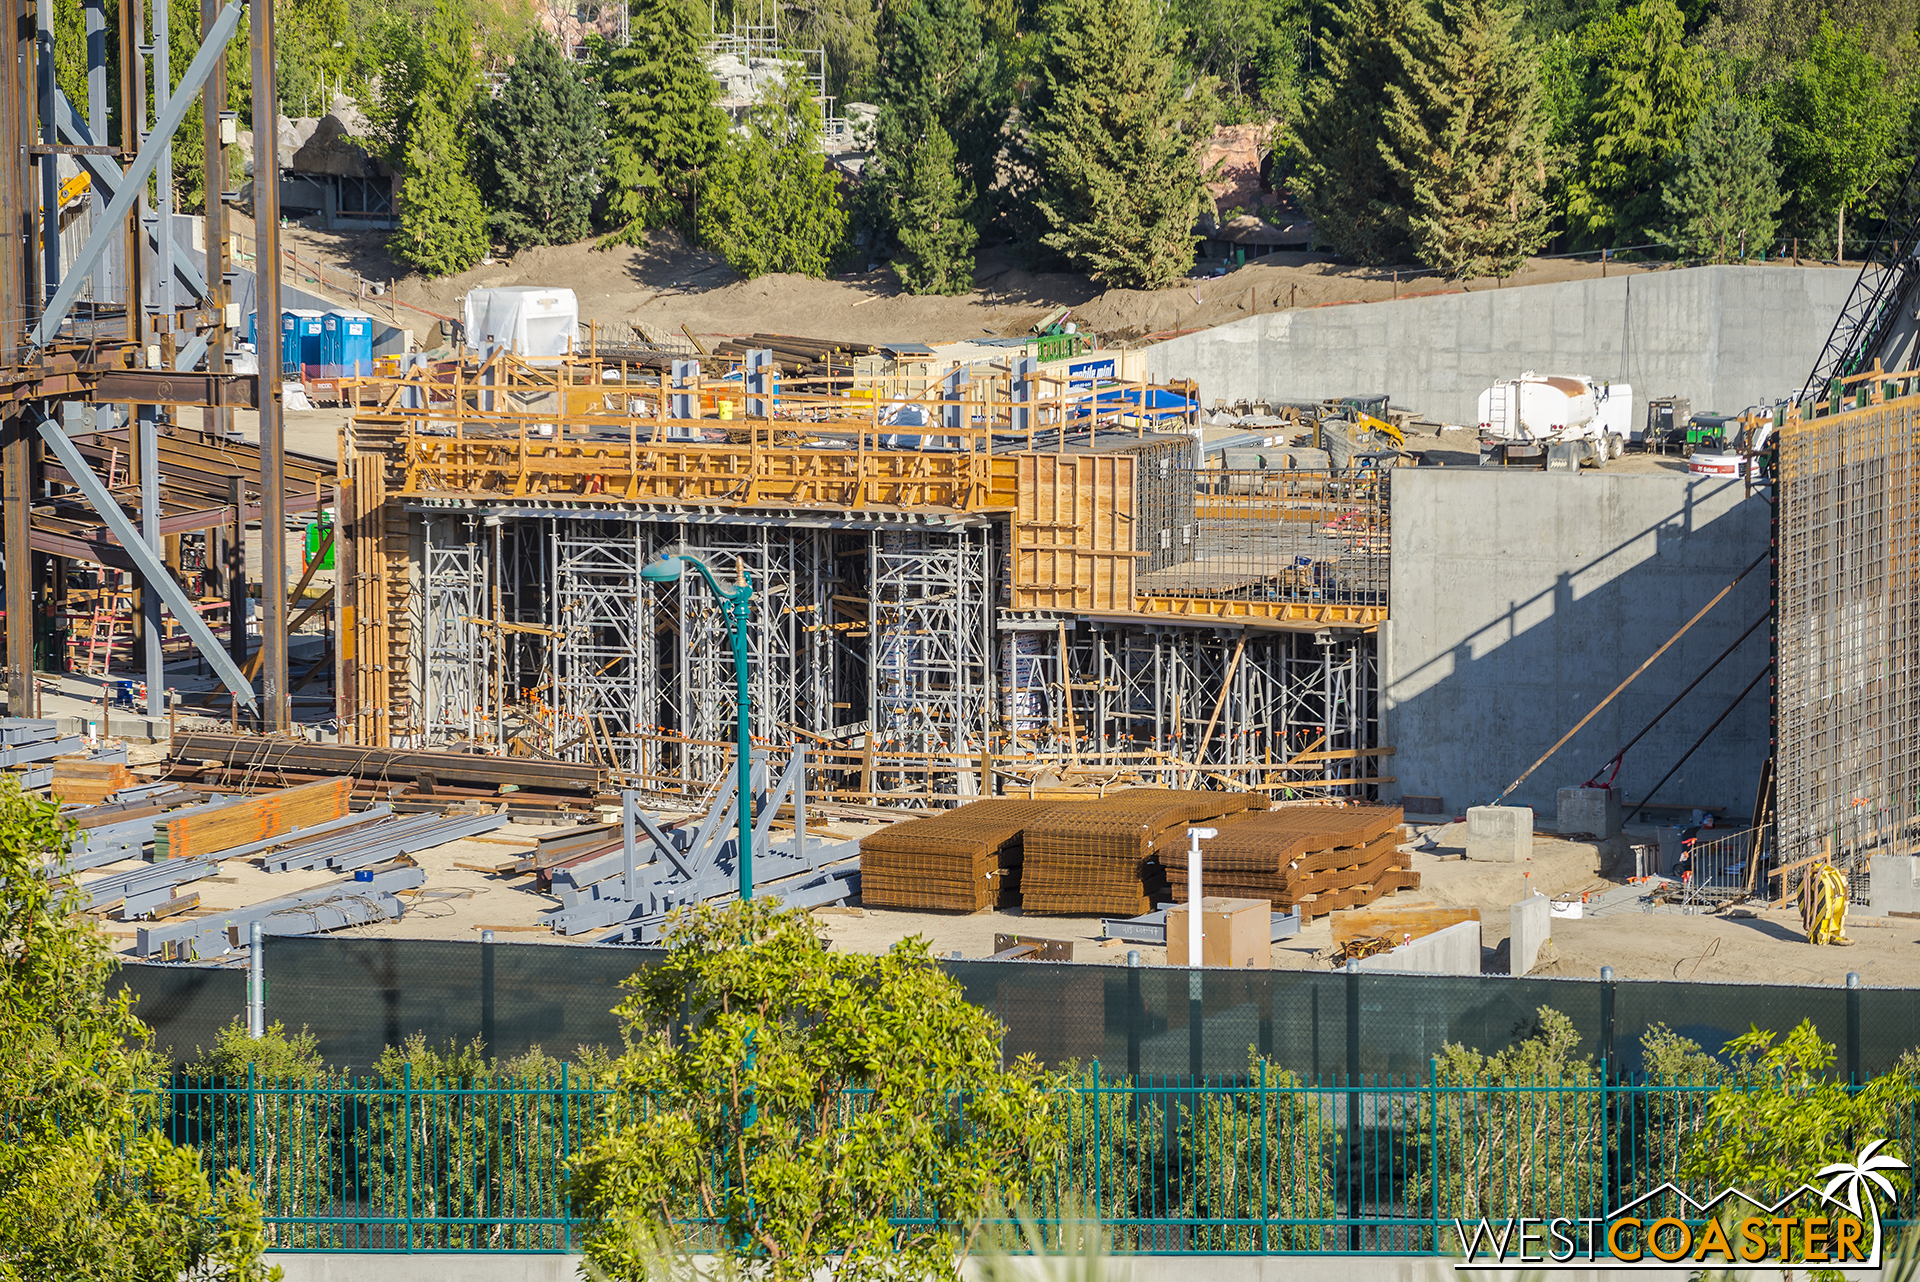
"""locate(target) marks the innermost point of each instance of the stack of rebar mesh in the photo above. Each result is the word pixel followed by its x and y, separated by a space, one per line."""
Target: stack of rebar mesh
pixel 959 860
pixel 1105 858
pixel 1310 857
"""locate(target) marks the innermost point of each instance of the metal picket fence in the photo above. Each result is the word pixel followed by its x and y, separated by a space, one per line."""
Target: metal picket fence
pixel 1254 1163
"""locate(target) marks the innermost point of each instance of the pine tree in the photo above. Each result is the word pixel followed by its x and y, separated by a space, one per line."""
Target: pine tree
pixel 1114 146
pixel 1466 133
pixel 1357 201
pixel 663 129
pixel 770 204
pixel 443 225
pixel 944 94
pixel 1649 89
pixel 537 149
pixel 931 225
pixel 1725 190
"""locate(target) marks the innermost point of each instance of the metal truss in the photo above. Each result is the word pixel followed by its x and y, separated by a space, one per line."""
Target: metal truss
pixel 456 707
pixel 930 628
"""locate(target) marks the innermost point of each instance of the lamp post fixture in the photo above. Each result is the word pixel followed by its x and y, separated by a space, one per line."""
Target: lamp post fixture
pixel 736 608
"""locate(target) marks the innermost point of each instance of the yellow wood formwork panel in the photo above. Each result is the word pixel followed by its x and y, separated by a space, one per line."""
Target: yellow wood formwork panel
pixel 1082 501
pixel 1068 579
pixel 1073 532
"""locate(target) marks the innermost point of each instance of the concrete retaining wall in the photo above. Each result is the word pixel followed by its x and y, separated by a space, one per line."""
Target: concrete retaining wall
pixel 1519 599
pixel 1725 337
pixel 1453 951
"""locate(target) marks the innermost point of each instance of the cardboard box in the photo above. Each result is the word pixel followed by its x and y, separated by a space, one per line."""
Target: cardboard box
pixel 1233 932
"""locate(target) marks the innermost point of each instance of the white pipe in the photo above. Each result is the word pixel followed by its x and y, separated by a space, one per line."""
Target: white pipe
pixel 1194 837
pixel 256 984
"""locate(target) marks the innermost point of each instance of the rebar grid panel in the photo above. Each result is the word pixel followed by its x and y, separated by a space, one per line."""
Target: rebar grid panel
pixel 457 707
pixel 1847 749
pixel 605 678
pixel 1275 536
pixel 929 620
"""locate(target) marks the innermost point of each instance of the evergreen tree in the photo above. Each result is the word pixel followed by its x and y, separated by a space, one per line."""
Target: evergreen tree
pixel 931 226
pixel 1725 189
pixel 770 204
pixel 1648 90
pixel 1115 143
pixel 663 129
pixel 1357 201
pixel 1837 120
pixel 443 225
pixel 1466 133
pixel 418 63
pixel 537 149
pixel 944 95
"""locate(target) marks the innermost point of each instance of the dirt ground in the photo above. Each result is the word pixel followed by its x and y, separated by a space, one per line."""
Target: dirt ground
pixel 666 284
pixel 1740 946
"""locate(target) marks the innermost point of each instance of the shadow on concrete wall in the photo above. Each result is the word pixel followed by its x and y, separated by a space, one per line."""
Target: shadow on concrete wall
pixel 1520 601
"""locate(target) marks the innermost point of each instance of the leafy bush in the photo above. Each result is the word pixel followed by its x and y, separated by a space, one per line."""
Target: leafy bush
pixel 791 1101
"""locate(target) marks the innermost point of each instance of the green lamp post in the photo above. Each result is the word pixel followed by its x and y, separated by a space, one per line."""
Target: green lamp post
pixel 736 607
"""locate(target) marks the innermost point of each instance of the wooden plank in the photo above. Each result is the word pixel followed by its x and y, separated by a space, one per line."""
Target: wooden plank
pixel 1397 923
pixel 204 831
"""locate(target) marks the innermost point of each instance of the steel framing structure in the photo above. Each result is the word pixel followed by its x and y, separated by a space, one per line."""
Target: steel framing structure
pixel 1173 702
pixel 880 649
pixel 110 323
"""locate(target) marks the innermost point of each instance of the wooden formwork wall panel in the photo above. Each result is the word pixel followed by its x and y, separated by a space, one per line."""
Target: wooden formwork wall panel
pixel 1066 579
pixel 1073 541
pixel 1082 501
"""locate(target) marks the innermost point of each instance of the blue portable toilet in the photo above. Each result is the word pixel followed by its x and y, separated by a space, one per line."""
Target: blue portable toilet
pixel 307 328
pixel 346 345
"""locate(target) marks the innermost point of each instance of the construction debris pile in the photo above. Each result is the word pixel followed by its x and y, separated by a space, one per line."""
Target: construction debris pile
pixel 962 860
pixel 1311 858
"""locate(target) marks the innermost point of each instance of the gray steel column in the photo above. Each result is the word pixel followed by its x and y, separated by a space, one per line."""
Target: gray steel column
pixel 105 278
pixel 273 481
pixel 165 300
pixel 148 430
pixel 213 101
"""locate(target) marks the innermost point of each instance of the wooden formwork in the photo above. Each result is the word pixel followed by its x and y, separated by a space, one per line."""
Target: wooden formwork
pixel 1073 539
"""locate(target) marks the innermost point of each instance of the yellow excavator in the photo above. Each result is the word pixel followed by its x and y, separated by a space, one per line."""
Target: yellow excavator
pixel 1359 432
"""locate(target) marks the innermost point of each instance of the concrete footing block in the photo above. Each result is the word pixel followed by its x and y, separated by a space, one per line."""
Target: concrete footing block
pixel 1893 884
pixel 1594 811
pixel 1500 834
pixel 1529 926
pixel 1453 951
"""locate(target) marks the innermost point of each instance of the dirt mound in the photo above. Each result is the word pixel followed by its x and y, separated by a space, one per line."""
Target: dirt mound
pixel 666 283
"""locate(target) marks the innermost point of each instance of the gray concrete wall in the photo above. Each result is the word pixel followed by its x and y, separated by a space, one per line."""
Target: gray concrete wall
pixel 1519 599
pixel 1725 337
pixel 1453 951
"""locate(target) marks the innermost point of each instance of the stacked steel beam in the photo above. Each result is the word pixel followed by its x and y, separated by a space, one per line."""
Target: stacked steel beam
pixel 960 860
pixel 1106 858
pixel 1312 858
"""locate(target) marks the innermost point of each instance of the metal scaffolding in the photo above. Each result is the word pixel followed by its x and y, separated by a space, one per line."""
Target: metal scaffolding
pixel 880 650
